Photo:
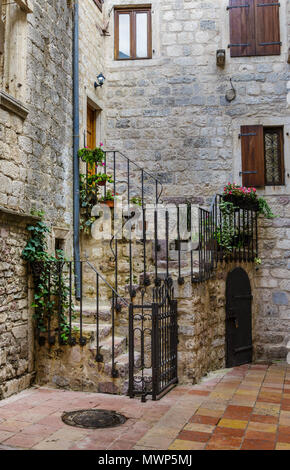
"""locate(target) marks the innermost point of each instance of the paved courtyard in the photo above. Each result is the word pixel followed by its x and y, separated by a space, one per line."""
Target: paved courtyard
pixel 246 407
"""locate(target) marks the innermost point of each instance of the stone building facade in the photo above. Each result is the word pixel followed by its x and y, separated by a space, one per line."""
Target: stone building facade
pixel 35 161
pixel 168 113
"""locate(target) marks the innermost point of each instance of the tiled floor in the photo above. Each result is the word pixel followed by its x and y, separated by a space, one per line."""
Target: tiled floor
pixel 247 407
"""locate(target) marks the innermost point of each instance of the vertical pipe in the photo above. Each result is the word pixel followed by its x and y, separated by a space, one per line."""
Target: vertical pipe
pixel 115 234
pixel 131 351
pixel 167 242
pixel 99 358
pixel 76 138
pixel 130 239
pixel 49 306
pixel 113 335
pixel 70 303
pixel 59 302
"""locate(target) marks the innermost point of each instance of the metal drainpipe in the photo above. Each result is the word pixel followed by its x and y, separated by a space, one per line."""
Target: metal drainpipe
pixel 76 140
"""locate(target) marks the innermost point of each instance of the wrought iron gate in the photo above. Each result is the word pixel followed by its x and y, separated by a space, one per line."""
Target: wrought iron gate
pixel 153 338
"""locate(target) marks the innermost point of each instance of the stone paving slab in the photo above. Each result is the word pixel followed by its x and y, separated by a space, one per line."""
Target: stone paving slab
pixel 247 408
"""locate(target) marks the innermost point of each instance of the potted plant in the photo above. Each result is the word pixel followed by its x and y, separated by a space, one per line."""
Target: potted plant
pixel 102 178
pixel 241 197
pixel 109 198
pixel 92 156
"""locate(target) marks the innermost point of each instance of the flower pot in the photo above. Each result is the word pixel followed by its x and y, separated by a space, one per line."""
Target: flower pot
pixel 242 202
pixel 109 203
pixel 101 183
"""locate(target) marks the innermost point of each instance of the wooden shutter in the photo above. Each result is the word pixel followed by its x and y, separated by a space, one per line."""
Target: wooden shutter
pixel 2 31
pixel 242 28
pixel 253 164
pixel 267 27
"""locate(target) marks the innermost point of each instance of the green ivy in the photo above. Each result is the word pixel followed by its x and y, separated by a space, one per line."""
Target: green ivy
pixel 50 280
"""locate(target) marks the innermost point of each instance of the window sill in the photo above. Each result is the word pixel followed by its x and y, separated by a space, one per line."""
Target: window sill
pixel 13 105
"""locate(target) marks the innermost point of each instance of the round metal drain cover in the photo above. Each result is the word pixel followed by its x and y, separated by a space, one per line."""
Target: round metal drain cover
pixel 93 419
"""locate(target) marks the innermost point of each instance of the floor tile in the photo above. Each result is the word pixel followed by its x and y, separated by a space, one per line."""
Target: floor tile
pixel 233 423
pixel 256 444
pixel 194 436
pixel 186 445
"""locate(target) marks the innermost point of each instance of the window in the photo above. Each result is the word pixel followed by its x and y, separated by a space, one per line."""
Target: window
pixel 262 156
pixel 99 4
pixel 254 27
pixel 133 33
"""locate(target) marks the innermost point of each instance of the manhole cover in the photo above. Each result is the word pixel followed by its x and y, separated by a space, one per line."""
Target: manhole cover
pixel 93 419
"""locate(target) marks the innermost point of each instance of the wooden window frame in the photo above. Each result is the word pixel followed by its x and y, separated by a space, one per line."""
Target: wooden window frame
pixel 132 10
pixel 273 129
pixel 99 4
pixel 253 155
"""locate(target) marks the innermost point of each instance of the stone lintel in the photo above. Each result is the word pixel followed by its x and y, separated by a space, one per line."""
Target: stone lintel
pixel 18 217
pixel 12 104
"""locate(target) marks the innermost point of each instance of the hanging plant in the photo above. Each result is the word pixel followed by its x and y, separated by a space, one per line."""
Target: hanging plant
pixel 246 198
pixel 92 156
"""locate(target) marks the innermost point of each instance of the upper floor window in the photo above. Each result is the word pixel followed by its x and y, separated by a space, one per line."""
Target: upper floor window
pixel 254 28
pixel 262 156
pixel 133 32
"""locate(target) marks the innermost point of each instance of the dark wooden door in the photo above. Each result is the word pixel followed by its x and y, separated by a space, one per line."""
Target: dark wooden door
pixel 238 318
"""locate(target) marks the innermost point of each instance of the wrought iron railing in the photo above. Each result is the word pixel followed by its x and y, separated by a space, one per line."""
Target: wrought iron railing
pixel 226 237
pixel 62 318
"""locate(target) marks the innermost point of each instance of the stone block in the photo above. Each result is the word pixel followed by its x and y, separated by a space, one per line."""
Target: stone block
pixel 280 298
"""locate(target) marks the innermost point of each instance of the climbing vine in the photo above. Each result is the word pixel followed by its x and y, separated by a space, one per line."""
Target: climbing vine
pixel 51 298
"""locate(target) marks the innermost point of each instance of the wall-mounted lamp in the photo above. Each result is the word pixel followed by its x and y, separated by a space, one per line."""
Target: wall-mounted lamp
pixel 100 81
pixel 221 57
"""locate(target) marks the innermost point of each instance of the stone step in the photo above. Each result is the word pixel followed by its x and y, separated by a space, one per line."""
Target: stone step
pixel 122 364
pixel 89 312
pixel 120 347
pixel 90 329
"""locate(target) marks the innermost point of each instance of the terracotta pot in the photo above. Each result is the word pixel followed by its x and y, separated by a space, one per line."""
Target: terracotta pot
pixel 101 183
pixel 109 203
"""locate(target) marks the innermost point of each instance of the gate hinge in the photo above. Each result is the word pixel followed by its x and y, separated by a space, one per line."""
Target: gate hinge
pixel 270 43
pixel 268 4
pixel 237 6
pixel 248 172
pixel 238 45
pixel 247 135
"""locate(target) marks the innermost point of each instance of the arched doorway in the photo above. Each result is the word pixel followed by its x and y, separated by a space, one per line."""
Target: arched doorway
pixel 238 318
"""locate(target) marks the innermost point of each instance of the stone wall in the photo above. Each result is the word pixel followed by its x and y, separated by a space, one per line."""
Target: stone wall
pixel 16 335
pixel 170 114
pixel 92 42
pixel 35 164
pixel 36 147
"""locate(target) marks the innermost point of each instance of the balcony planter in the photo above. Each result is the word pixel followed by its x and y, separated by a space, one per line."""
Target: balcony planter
pixel 241 202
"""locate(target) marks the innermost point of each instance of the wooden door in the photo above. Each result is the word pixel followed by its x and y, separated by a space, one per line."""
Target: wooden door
pixel 91 133
pixel 91 127
pixel 238 318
